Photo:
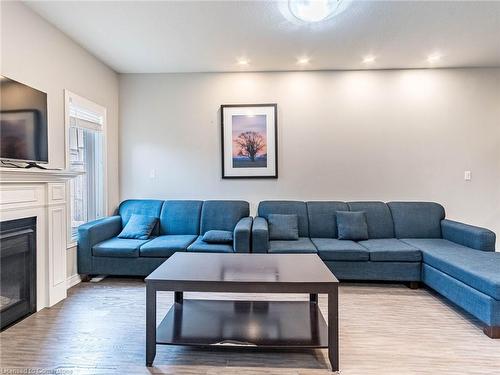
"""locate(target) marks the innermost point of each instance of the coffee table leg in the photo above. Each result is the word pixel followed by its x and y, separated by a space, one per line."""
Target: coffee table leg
pixel 150 324
pixel 313 297
pixel 178 297
pixel 333 329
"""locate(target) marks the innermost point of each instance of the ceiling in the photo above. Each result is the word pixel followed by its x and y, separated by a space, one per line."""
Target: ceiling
pixel 210 36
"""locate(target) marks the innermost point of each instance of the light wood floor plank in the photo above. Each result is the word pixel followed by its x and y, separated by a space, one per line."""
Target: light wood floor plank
pixel 384 329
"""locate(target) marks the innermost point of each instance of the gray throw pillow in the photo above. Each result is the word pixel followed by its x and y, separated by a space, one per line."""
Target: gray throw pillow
pixel 218 236
pixel 283 227
pixel 351 225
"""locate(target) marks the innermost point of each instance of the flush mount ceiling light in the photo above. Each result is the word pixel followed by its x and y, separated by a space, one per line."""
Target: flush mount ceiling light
pixel 314 10
pixel 242 61
pixel 303 60
pixel 369 59
pixel 435 57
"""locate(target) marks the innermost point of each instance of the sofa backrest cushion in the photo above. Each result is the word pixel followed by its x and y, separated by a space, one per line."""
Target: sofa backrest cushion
pixel 378 218
pixel 147 207
pixel 180 217
pixel 222 215
pixel 323 218
pixel 417 219
pixel 287 208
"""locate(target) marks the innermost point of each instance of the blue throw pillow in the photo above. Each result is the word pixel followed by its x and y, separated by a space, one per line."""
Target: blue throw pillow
pixel 139 227
pixel 283 227
pixel 351 225
pixel 218 236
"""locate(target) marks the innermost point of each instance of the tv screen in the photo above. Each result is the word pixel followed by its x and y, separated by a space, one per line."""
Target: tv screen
pixel 23 122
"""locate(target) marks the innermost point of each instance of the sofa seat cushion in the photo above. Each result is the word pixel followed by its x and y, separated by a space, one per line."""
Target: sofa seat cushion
pixel 118 248
pixel 343 250
pixel 391 250
pixel 478 269
pixel 204 247
pixel 165 246
pixel 302 245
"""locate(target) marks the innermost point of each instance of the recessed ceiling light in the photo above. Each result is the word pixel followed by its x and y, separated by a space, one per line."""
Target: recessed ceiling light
pixel 435 57
pixel 243 61
pixel 313 10
pixel 303 61
pixel 369 59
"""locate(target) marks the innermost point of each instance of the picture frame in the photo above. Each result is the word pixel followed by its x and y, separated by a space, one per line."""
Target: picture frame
pixel 249 140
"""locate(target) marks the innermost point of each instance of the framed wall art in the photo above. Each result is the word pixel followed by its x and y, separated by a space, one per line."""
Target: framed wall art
pixel 249 141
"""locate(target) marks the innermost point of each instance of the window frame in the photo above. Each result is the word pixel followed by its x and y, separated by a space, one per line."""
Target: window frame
pixel 70 97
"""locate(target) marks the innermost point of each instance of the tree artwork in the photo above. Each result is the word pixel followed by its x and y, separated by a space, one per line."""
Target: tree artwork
pixel 251 143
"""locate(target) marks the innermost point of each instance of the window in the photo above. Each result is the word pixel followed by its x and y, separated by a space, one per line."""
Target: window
pixel 85 154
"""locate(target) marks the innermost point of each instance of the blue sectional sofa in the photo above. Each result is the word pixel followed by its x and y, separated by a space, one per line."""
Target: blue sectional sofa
pixel 407 241
pixel 180 227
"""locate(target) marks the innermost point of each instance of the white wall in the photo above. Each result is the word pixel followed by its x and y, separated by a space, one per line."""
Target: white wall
pixel 362 135
pixel 36 53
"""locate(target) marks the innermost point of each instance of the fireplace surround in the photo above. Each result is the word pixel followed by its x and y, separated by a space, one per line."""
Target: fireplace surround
pixel 41 195
pixel 17 270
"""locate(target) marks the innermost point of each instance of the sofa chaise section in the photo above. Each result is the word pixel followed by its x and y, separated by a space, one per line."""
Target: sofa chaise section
pixel 478 269
pixel 468 277
pixel 458 260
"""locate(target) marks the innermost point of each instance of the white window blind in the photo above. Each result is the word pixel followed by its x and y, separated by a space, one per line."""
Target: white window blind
pixel 86 155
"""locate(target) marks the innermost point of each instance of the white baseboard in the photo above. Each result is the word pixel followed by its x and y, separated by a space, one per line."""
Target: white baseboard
pixel 73 280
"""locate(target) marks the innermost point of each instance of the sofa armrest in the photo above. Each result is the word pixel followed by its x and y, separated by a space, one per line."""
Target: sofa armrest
pixel 90 234
pixel 242 233
pixel 260 235
pixel 468 235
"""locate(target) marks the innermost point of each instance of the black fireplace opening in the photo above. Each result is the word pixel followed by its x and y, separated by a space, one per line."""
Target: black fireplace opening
pixel 17 270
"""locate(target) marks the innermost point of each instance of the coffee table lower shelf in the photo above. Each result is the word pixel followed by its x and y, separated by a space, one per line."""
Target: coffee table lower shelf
pixel 253 324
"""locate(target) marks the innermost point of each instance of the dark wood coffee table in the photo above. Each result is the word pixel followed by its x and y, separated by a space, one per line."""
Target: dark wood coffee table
pixel 253 324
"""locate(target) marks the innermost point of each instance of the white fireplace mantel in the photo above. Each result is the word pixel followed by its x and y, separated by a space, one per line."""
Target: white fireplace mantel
pixel 35 175
pixel 42 194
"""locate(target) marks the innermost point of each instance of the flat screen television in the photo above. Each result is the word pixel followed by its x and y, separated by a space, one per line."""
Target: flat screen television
pixel 23 123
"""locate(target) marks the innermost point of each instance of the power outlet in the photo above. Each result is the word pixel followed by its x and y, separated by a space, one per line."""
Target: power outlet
pixel 467 176
pixel 152 173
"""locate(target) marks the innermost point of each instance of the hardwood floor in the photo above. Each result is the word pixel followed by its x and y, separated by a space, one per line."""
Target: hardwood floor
pixel 384 329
